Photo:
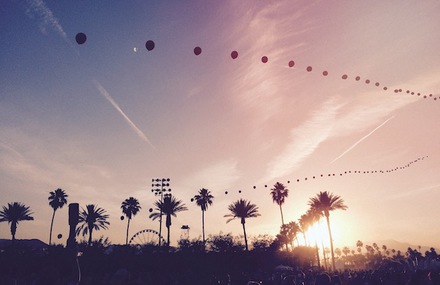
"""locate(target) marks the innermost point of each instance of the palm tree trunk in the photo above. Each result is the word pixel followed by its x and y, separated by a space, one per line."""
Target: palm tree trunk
pixel 282 216
pixel 244 233
pixel 51 226
pixel 90 236
pixel 203 227
pixel 305 239
pixel 327 216
pixel 13 231
pixel 317 254
pixel 168 236
pixel 323 254
pixel 126 236
pixel 168 225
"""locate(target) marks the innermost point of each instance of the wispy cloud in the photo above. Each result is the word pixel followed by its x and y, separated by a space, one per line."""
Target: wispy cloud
pixel 39 10
pixel 305 139
pixel 258 86
pixel 11 149
pixel 334 119
pixel 218 176
pixel 107 96
pixel 359 141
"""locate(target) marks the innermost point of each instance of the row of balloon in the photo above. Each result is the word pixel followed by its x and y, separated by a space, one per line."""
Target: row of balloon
pixel 81 38
pixel 353 172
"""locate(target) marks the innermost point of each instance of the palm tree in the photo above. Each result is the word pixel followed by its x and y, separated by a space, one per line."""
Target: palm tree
pixel 326 202
pixel 203 200
pixel 242 209
pixel 293 229
pixel 14 213
pixel 57 199
pixel 305 223
pixel 279 194
pixel 169 206
pixel 283 236
pixel 130 207
pixel 359 245
pixel 92 218
pixel 312 217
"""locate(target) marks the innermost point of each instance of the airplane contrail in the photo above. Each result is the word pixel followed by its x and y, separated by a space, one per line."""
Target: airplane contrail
pixel 359 141
pixel 38 9
pixel 107 96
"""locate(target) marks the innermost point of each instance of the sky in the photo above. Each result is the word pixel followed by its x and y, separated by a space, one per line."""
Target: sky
pixel 102 119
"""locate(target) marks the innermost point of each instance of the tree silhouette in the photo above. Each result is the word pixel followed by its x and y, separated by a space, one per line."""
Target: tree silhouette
pixel 168 207
pixel 305 222
pixel 292 229
pixel 203 200
pixel 315 216
pixel 325 202
pixel 57 199
pixel 242 209
pixel 91 219
pixel 13 214
pixel 279 194
pixel 130 207
pixel 283 236
pixel 359 245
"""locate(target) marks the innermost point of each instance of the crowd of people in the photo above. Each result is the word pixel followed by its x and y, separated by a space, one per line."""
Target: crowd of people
pixel 124 265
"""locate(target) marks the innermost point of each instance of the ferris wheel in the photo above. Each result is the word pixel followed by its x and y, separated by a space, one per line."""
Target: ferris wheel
pixel 147 237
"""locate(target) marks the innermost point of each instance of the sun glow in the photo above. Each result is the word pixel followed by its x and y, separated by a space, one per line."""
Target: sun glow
pixel 318 234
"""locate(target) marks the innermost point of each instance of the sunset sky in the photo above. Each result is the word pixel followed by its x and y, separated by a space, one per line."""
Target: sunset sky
pixel 101 119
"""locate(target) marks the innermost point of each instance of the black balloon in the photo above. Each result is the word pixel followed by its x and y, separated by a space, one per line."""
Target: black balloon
pixel 150 45
pixel 226 192
pixel 325 73
pixel 197 50
pixel 264 59
pixel 358 78
pixel 309 68
pixel 234 54
pixel 80 38
pixel 122 218
pixel 291 63
pixel 59 236
pixel 344 76
pixel 150 210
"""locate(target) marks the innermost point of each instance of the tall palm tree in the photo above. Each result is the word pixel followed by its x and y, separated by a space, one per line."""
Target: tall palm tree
pixel 283 236
pixel 130 207
pixel 242 209
pixel 313 217
pixel 293 229
pixel 57 199
pixel 13 214
pixel 169 206
pixel 326 202
pixel 92 218
pixel 305 223
pixel 203 200
pixel 279 194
